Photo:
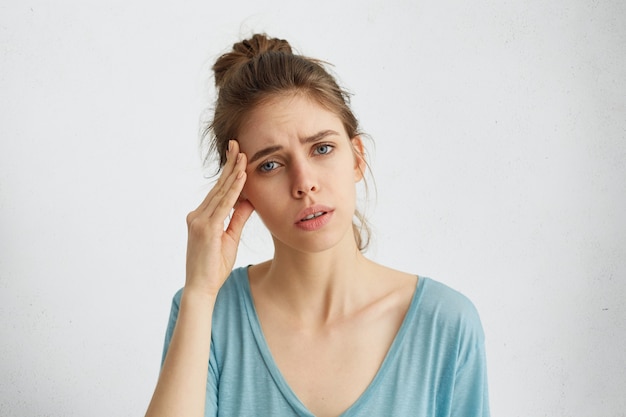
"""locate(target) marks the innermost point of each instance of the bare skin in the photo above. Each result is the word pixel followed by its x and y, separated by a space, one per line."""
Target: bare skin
pixel 330 346
pixel 329 315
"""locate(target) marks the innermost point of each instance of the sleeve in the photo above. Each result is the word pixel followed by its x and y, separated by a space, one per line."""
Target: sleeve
pixel 470 397
pixel 212 380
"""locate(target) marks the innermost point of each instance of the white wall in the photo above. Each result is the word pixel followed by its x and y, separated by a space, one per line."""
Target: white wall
pixel 500 162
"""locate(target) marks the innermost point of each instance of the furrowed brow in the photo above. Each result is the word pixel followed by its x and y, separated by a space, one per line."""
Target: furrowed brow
pixel 264 152
pixel 309 139
pixel 318 136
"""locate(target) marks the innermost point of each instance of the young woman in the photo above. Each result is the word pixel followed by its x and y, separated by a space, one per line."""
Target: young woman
pixel 318 330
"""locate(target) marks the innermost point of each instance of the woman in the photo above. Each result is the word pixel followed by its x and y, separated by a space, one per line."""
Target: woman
pixel 318 330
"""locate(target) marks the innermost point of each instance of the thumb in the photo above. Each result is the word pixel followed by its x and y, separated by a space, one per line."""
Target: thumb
pixel 242 211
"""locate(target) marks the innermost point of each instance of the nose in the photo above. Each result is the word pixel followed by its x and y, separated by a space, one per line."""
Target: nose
pixel 304 180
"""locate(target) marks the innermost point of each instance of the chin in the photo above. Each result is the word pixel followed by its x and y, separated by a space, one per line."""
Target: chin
pixel 314 242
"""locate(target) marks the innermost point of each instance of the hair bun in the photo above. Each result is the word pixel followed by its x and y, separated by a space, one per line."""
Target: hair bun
pixel 246 50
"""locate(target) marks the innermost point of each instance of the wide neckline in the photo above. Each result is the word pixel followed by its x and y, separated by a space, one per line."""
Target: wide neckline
pixel 277 375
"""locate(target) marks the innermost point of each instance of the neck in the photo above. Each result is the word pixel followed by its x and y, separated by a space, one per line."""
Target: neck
pixel 316 287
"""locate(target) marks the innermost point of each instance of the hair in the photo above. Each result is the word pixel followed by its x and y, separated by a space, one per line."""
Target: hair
pixel 259 69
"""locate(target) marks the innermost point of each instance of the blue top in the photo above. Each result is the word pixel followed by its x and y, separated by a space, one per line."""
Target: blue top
pixel 435 366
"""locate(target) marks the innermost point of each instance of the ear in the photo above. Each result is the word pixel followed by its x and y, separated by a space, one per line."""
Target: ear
pixel 359 158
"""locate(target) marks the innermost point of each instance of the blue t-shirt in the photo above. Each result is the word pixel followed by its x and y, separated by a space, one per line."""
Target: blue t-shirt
pixel 435 366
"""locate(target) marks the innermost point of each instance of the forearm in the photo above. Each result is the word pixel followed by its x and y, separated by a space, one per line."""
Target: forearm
pixel 181 388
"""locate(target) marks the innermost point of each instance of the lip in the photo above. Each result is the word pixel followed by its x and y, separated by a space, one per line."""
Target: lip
pixel 316 222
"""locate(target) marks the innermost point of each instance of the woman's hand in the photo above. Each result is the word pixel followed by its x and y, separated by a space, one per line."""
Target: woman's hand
pixel 211 250
pixel 211 253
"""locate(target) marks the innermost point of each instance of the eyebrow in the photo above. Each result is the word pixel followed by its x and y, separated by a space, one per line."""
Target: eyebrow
pixel 310 139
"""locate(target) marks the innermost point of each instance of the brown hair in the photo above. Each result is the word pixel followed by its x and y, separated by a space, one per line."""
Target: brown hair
pixel 260 68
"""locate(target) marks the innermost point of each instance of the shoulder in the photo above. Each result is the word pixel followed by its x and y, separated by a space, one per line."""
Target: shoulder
pixel 234 296
pixel 233 287
pixel 445 297
pixel 447 309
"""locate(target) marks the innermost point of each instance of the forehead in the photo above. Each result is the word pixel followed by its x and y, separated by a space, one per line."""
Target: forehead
pixel 285 117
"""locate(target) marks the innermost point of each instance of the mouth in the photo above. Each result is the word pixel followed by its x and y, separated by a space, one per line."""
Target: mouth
pixel 313 216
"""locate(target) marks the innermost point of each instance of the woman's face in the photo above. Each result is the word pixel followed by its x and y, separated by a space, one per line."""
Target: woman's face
pixel 301 172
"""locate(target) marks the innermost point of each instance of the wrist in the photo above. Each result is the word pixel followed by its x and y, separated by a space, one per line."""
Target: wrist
pixel 198 296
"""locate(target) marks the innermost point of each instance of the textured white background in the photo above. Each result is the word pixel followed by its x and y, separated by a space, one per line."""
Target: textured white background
pixel 498 148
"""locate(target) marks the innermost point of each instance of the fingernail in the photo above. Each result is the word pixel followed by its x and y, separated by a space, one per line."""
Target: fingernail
pixel 239 156
pixel 230 145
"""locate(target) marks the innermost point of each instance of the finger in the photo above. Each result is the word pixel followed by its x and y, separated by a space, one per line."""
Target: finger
pixel 231 159
pixel 224 201
pixel 241 214
pixel 202 226
pixel 227 170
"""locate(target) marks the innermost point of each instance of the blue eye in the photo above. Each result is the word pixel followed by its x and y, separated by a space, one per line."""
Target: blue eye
pixel 323 149
pixel 268 166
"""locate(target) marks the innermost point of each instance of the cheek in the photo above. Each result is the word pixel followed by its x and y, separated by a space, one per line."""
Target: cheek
pixel 254 194
pixel 250 187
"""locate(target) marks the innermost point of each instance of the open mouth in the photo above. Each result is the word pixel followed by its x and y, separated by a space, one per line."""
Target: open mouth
pixel 312 216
